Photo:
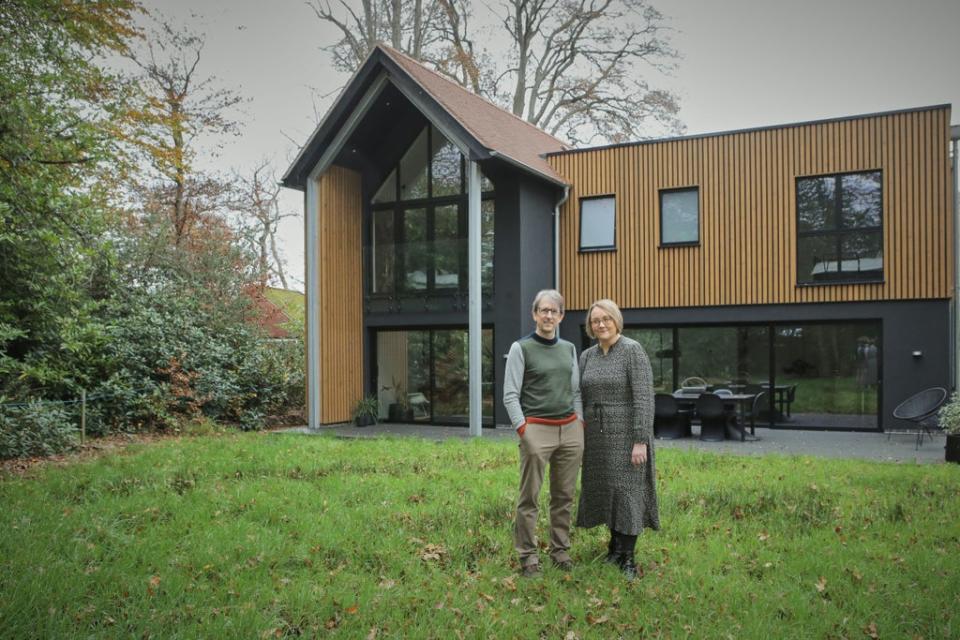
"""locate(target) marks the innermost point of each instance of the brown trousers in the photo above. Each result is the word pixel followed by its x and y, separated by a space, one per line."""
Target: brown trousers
pixel 562 448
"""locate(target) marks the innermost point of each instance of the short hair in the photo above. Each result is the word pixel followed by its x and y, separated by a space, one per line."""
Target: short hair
pixel 611 308
pixel 552 294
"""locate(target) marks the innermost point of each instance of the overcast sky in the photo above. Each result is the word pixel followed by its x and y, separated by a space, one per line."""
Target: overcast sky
pixel 746 63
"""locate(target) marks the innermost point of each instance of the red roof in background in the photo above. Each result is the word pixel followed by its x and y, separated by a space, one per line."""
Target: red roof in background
pixel 266 314
pixel 494 127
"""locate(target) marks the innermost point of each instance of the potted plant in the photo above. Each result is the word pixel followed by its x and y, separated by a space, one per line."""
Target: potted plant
pixel 366 411
pixel 399 410
pixel 949 421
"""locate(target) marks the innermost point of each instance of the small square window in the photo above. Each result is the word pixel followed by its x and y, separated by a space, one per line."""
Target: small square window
pixel 598 224
pixel 680 216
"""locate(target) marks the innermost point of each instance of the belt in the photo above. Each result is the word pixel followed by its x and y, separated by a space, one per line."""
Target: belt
pixel 553 422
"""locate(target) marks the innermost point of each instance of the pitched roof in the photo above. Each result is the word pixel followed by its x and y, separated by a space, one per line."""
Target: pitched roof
pixel 494 127
pixel 491 130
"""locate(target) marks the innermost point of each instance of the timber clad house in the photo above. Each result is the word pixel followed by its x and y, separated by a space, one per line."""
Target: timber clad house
pixel 815 260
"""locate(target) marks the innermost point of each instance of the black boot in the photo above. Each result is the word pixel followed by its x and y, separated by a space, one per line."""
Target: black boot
pixel 626 560
pixel 613 549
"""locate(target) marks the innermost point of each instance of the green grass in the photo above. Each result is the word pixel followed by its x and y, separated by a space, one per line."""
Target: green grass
pixel 266 535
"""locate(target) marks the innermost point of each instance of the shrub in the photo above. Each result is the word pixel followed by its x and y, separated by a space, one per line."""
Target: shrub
pixel 35 429
pixel 949 416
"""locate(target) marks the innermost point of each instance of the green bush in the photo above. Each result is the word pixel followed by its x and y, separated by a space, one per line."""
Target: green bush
pixel 175 357
pixel 35 429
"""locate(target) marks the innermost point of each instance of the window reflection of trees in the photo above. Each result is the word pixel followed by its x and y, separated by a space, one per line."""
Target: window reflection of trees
pixel 839 225
pixel 419 215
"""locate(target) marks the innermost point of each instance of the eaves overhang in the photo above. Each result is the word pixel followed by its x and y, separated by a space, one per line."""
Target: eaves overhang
pixel 330 135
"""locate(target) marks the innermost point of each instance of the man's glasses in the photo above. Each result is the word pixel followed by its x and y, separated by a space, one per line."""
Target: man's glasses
pixel 548 312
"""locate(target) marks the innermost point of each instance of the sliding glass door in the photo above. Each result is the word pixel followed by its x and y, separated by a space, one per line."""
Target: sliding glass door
pixel 812 375
pixel 423 375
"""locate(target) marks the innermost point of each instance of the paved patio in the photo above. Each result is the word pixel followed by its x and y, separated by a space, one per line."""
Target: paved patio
pixel 828 444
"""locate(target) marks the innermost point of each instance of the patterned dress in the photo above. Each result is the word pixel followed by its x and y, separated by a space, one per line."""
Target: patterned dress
pixel 617 392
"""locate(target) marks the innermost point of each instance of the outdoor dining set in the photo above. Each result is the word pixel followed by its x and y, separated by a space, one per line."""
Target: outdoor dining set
pixel 726 411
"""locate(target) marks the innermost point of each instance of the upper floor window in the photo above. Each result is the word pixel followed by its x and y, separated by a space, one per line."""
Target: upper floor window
pixel 840 228
pixel 680 216
pixel 419 222
pixel 598 223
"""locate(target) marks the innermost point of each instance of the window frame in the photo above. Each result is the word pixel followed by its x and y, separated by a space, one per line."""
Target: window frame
pixel 430 204
pixel 598 248
pixel 839 232
pixel 684 243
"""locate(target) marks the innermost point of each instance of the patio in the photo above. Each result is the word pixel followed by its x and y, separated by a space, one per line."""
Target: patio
pixel 898 447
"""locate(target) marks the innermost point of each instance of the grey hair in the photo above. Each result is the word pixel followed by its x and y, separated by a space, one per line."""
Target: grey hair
pixel 551 294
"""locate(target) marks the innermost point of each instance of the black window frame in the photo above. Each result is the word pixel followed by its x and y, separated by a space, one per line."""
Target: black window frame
pixel 839 231
pixel 429 204
pixel 598 248
pixel 685 243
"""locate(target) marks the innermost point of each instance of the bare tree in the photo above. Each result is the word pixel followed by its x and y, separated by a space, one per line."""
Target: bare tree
pixel 577 64
pixel 176 105
pixel 407 25
pixel 575 68
pixel 257 201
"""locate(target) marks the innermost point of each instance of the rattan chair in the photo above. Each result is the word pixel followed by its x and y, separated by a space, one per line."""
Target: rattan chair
pixel 919 409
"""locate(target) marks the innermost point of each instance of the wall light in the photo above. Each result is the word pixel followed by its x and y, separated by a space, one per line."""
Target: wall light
pixel 917 354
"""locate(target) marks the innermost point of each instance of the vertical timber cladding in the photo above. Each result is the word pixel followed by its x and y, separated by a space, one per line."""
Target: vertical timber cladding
pixel 747 191
pixel 341 293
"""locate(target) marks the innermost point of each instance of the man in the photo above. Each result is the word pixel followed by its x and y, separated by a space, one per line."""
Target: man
pixel 541 392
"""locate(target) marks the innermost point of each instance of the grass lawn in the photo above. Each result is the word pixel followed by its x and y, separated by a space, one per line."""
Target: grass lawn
pixel 266 535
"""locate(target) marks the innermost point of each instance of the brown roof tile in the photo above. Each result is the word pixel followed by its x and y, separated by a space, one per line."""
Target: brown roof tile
pixel 494 127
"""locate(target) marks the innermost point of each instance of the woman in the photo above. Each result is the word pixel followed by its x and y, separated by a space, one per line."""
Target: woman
pixel 618 478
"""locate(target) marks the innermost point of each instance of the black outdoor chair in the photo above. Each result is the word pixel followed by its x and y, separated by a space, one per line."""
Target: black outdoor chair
pixel 756 412
pixel 791 395
pixel 669 422
pixel 713 417
pixel 919 408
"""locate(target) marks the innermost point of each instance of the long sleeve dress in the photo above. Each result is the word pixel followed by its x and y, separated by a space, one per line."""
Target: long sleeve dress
pixel 617 394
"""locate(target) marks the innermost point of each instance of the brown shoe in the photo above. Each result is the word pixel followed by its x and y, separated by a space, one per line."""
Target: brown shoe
pixel 530 571
pixel 563 565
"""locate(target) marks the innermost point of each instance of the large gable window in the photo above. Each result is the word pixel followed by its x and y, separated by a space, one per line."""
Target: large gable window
pixel 598 218
pixel 840 228
pixel 680 216
pixel 419 222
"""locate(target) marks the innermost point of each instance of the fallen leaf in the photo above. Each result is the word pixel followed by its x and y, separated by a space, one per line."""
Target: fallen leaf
pixel 871 630
pixel 763 536
pixel 352 610
pixel 432 552
pixel 821 585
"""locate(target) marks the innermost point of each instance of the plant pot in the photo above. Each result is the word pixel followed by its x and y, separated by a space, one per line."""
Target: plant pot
pixel 394 413
pixel 364 421
pixel 953 448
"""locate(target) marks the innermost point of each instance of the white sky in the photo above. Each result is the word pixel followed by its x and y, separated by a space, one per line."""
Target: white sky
pixel 746 63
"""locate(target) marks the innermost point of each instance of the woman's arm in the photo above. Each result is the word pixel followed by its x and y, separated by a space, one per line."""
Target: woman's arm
pixel 640 376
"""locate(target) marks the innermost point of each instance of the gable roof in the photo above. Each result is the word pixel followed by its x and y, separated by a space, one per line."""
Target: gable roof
pixel 484 129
